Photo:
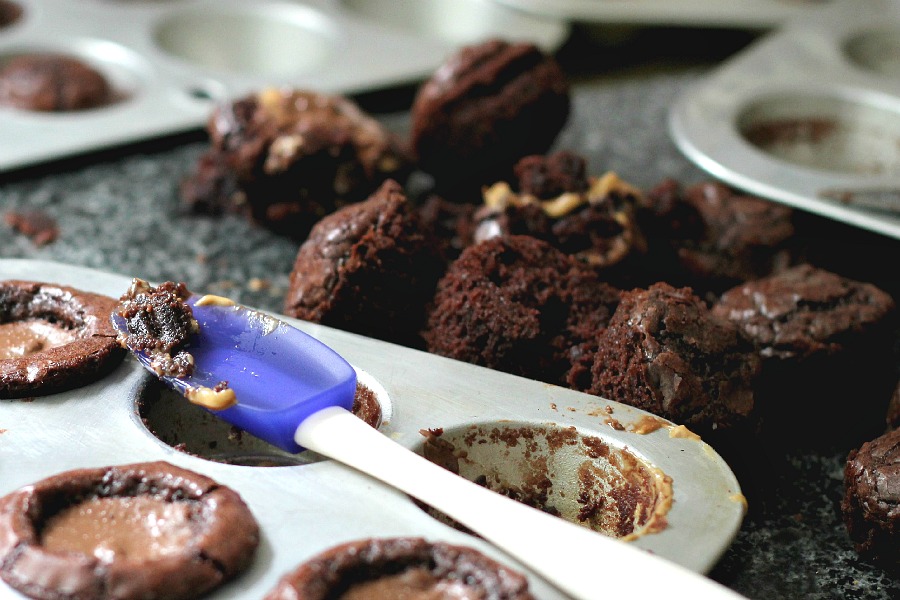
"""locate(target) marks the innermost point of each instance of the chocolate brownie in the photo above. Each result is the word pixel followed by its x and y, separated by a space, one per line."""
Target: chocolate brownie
pixel 665 352
pixel 517 304
pixel 53 338
pixel 711 237
pixel 823 339
pixel 286 158
pixel 893 412
pixel 10 12
pixel 871 504
pixel 88 534
pixel 590 218
pixel 451 224
pixel 52 83
pixel 369 268
pixel 391 568
pixel 159 322
pixel 486 107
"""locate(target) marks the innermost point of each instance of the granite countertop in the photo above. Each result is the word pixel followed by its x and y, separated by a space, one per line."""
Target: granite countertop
pixel 120 211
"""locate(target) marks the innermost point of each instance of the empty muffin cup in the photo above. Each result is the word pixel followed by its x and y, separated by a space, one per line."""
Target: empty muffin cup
pixel 278 40
pixel 191 429
pixel 828 133
pixel 580 478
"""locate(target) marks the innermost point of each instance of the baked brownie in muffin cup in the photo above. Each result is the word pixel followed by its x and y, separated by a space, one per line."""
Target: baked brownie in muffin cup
pixel 871 503
pixel 53 338
pixel 145 530
pixel 286 158
pixel 826 346
pixel 391 568
pixel 517 304
pixel 369 268
pixel 52 83
pixel 591 218
pixel 666 353
pixel 486 107
pixel 710 237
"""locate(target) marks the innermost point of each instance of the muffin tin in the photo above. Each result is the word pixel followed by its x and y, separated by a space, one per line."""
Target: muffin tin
pixel 170 59
pixel 715 13
pixel 808 116
pixel 504 429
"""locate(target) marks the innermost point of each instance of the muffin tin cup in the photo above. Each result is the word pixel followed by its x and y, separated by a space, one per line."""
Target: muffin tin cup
pixel 707 13
pixel 169 61
pixel 808 116
pixel 305 508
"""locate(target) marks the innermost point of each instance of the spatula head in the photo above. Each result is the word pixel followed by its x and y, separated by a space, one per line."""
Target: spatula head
pixel 279 374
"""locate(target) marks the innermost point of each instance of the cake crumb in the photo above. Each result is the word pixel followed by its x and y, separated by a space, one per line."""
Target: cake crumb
pixel 40 227
pixel 257 285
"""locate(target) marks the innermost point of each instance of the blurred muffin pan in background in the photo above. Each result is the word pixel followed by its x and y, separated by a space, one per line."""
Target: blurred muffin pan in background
pixel 808 116
pixel 167 61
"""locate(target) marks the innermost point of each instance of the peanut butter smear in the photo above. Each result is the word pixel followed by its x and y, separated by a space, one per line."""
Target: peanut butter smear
pixel 213 300
pixel 412 584
pixel 120 528
pixel 23 338
pixel 213 399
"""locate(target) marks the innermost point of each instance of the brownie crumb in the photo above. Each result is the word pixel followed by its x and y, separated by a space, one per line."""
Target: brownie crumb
pixel 159 322
pixel 36 224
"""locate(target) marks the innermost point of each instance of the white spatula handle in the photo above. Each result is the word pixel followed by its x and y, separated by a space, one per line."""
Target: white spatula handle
pixel 581 562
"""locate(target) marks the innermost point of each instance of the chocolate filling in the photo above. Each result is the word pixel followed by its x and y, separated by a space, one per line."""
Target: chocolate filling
pixel 53 338
pixel 147 530
pixel 409 568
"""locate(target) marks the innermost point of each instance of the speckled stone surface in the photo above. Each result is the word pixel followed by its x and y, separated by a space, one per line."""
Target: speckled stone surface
pixel 122 213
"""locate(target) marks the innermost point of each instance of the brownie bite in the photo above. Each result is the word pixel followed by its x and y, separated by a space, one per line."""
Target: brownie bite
pixel 159 322
pixel 52 83
pixel 370 268
pixel 519 305
pixel 486 107
pixel 825 340
pixel 871 503
pixel 391 568
pixel 53 338
pixel 286 158
pixel 10 12
pixel 590 218
pixel 711 237
pixel 130 532
pixel 665 352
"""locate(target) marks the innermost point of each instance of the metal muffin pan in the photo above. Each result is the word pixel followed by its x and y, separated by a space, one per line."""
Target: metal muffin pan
pixel 307 507
pixel 171 59
pixel 755 14
pixel 808 116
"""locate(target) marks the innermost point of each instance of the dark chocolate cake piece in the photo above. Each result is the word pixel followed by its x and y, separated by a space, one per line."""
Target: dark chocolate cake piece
pixel 871 504
pixel 486 107
pixel 517 304
pixel 286 158
pixel 823 339
pixel 370 268
pixel 666 353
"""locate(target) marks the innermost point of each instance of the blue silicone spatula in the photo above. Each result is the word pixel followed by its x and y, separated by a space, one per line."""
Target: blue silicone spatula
pixel 295 392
